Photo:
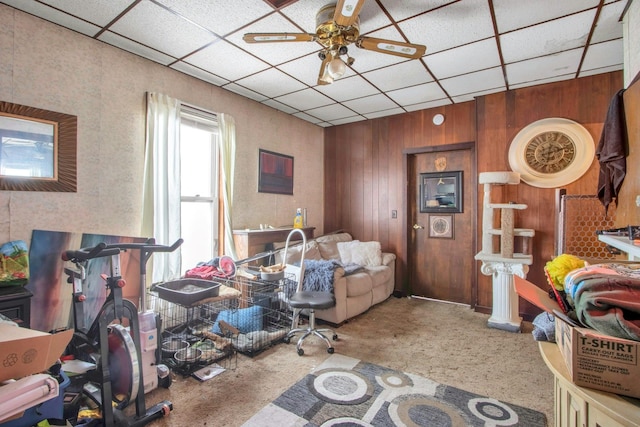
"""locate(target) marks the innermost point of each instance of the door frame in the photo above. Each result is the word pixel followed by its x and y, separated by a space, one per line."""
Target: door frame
pixel 410 192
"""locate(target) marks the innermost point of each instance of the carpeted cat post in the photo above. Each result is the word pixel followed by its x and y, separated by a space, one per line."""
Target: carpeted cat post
pixel 502 264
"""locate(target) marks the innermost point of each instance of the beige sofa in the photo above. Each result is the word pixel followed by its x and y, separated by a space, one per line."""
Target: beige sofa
pixel 355 292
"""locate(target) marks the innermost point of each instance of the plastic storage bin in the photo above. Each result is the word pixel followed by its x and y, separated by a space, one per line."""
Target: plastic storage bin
pixel 52 409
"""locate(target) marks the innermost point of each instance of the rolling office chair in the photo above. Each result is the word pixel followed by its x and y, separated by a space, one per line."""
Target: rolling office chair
pixel 307 301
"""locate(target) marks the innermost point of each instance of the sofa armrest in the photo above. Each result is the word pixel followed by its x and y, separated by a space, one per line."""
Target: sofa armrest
pixel 388 258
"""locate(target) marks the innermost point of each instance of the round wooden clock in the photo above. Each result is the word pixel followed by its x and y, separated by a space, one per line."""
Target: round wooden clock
pixel 551 152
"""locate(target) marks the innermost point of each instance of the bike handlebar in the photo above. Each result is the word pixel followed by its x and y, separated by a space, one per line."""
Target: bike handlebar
pixel 148 246
pixel 83 254
pixel 102 249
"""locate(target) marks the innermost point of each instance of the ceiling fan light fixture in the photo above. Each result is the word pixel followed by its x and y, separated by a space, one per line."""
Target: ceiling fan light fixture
pixel 326 76
pixel 336 68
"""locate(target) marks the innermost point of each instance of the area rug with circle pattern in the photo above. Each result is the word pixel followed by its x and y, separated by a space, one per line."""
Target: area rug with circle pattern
pixel 344 391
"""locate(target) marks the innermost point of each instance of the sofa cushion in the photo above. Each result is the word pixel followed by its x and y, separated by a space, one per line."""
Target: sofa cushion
pixel 379 274
pixel 359 284
pixel 294 253
pixel 328 245
pixel 363 253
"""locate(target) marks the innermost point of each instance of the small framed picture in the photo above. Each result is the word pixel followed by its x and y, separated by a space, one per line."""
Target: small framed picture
pixel 441 192
pixel 441 226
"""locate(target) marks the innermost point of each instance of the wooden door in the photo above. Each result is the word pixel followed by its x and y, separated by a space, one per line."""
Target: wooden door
pixel 441 243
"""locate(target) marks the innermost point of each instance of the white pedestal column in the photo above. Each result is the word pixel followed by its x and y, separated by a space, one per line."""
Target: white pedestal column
pixel 505 299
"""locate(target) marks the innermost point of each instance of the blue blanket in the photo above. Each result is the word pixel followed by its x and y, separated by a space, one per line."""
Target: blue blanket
pixel 318 275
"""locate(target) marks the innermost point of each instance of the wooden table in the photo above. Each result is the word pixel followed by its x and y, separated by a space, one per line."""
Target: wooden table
pixel 251 242
pixel 579 406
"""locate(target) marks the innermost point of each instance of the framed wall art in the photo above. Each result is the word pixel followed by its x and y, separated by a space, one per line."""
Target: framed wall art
pixel 37 149
pixel 441 226
pixel 275 173
pixel 440 192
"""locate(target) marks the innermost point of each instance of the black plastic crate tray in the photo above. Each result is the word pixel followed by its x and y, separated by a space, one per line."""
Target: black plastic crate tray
pixel 187 292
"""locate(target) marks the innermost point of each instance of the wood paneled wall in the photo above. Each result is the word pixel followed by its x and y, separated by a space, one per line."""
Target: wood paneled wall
pixel 364 178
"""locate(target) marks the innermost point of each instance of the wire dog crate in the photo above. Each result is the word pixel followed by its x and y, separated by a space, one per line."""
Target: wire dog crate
pixel 244 315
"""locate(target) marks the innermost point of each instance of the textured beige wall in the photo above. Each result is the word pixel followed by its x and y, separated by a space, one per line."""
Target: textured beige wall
pixel 45 66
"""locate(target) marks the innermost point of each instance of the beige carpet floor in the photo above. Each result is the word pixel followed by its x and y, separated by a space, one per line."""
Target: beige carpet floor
pixel 447 343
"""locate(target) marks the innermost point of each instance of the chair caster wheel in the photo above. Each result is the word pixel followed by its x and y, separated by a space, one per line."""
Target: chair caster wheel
pixel 330 350
pixel 300 352
pixel 286 340
pixel 335 337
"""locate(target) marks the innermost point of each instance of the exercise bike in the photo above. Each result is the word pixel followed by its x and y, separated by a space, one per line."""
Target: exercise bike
pixel 114 348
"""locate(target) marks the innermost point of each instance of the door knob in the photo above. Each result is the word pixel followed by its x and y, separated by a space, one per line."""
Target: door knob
pixel 417 227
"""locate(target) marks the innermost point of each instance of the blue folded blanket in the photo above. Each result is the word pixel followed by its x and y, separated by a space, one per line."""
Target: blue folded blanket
pixel 318 275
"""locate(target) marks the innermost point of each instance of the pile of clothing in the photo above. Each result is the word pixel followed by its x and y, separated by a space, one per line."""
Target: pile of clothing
pixel 604 297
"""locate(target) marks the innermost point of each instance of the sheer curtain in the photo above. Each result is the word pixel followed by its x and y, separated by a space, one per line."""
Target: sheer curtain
pixel 161 186
pixel 227 144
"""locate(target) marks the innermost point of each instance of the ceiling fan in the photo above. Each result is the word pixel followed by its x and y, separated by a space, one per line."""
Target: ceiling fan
pixel 337 26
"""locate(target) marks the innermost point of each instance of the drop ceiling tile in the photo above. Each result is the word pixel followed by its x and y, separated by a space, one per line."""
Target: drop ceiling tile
pixel 403 9
pixel 543 68
pixel 331 112
pixel 450 26
pixel 271 83
pixel 469 83
pixel 160 29
pixel 551 37
pixel 556 78
pixel 247 93
pixel 417 94
pixel 600 70
pixel 384 113
pixel 305 99
pixel 220 16
pixel 278 52
pixel 199 73
pixel 228 61
pixel 348 88
pixel 511 15
pixel 98 12
pixel 372 18
pixel 473 95
pixel 52 15
pixel 464 59
pixel 346 120
pixel 324 124
pixel 370 104
pixel 609 27
pixel 133 47
pixel 308 117
pixel 280 106
pixel 305 69
pixel 427 105
pixel 409 73
pixel 604 54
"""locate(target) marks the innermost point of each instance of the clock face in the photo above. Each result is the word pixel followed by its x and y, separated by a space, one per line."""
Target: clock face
pixel 550 152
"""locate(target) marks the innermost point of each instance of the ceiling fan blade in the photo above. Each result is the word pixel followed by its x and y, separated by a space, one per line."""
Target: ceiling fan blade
pixel 347 12
pixel 406 50
pixel 278 37
pixel 323 76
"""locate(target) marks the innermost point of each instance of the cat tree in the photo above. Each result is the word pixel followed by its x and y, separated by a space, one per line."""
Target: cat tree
pixel 503 263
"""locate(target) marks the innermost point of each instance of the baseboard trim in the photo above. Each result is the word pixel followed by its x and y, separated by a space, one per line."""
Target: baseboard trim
pixel 439 300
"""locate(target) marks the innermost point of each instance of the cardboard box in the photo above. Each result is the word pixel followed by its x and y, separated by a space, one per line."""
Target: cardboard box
pixel 25 351
pixel 594 360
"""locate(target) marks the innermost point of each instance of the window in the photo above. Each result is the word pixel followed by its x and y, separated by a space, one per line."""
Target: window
pixel 199 186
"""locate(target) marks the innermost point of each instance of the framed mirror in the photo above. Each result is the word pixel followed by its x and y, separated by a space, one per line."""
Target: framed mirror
pixel 37 149
pixel 441 192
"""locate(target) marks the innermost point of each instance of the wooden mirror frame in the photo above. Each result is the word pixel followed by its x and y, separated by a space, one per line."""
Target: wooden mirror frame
pixel 65 150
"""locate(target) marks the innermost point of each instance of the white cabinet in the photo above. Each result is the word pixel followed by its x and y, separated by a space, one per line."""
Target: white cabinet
pixel 583 407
